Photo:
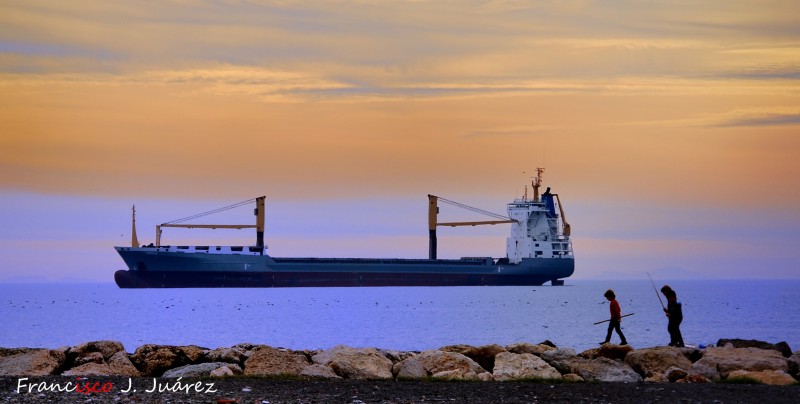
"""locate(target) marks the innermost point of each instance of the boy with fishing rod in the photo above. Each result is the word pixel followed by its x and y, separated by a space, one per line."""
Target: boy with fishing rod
pixel 616 318
pixel 673 311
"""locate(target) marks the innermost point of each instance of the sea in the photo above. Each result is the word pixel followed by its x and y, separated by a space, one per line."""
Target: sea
pixel 51 315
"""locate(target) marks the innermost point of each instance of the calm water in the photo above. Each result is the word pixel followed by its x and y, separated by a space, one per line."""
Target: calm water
pixel 408 318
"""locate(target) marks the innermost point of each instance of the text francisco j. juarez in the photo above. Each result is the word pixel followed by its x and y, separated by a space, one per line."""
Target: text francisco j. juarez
pixel 86 386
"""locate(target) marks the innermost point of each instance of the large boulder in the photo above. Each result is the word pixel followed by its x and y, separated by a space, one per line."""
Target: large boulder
pixel 229 355
pixel 605 370
pixel 89 351
pixel 727 360
pixel 562 359
pixel 202 370
pixel 705 370
pixel 30 361
pixel 355 363
pixel 409 369
pixel 319 371
pixel 525 347
pixel 154 360
pixel 511 366
pixel 648 361
pixel 485 355
pixel 773 377
pixel 610 351
pixel 117 365
pixel 441 364
pixel 265 361
pixel 781 347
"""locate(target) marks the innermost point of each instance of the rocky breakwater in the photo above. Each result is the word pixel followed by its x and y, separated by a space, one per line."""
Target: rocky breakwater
pixel 752 361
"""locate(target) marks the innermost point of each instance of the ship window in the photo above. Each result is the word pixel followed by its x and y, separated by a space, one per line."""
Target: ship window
pixel 219 248
pixel 183 247
pixel 255 249
pixel 237 248
pixel 205 247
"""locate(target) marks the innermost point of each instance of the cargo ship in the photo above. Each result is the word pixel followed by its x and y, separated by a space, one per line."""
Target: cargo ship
pixel 538 250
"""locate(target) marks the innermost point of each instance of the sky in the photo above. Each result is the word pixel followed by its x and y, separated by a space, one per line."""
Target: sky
pixel 670 128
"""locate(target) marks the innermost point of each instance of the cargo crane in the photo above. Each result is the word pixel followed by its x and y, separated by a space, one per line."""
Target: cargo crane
pixel 259 226
pixel 433 211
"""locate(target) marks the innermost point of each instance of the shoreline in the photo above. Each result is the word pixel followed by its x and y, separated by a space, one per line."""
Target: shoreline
pixel 737 371
pixel 276 390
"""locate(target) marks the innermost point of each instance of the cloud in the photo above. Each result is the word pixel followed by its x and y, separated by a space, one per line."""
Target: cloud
pixel 767 120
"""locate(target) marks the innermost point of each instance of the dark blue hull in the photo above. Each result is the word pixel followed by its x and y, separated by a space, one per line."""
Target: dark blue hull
pixel 162 268
pixel 210 279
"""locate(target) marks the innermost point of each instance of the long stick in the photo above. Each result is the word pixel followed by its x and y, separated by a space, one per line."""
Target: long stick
pixel 610 319
pixel 656 290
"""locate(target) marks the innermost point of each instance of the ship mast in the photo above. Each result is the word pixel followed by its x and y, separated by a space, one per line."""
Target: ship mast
pixel 134 240
pixel 536 183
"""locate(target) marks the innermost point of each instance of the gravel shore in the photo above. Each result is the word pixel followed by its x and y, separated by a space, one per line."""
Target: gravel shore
pixel 273 391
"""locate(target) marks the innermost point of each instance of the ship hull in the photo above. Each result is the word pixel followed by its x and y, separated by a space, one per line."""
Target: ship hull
pixel 150 268
pixel 218 279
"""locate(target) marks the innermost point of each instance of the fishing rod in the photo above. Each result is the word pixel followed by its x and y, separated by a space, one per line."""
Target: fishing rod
pixel 656 290
pixel 610 319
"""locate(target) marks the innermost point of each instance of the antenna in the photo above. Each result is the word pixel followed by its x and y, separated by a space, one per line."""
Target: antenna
pixel 536 183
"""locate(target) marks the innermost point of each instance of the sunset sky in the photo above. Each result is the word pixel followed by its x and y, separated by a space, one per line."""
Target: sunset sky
pixel 670 128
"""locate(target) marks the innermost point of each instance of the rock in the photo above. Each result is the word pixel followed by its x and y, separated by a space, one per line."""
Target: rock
pixel 221 372
pixel 443 364
pixel 610 351
pixel 772 377
pixel 485 377
pixel 793 362
pixel 458 348
pixel 355 363
pixel 395 356
pixel 484 355
pixel 524 347
pixel 89 369
pixel 726 360
pixel 154 360
pixel 95 357
pixel 562 359
pixel 117 365
pixel 605 370
pixel 455 374
pixel 265 360
pixel 590 353
pixel 121 365
pixel 229 355
pixel 675 373
pixel 202 369
pixel 511 366
pixel 410 369
pixel 694 379
pixel 656 377
pixel 572 377
pixel 30 362
pixel 656 360
pixel 781 347
pixel 704 370
pixel 106 348
pixel 320 371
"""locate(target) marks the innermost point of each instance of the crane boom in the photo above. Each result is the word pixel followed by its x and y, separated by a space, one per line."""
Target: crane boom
pixel 433 210
pixel 259 226
pixel 567 229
